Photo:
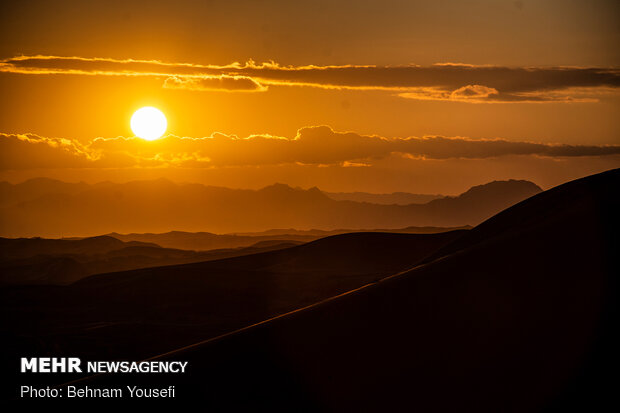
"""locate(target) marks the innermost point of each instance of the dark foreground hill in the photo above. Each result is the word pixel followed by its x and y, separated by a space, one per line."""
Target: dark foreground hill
pixel 518 315
pixel 49 208
pixel 140 313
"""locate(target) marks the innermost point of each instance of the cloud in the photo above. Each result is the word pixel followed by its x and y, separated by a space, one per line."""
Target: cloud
pixel 469 93
pixel 223 82
pixel 40 64
pixel 318 146
pixel 447 81
pixel 29 151
pixel 175 75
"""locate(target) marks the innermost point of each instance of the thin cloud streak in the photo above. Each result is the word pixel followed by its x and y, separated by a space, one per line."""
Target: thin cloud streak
pixel 447 81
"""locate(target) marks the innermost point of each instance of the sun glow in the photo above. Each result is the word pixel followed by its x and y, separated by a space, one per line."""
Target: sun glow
pixel 149 123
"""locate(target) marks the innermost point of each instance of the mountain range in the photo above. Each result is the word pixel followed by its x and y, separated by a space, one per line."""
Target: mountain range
pixel 398 198
pixel 53 209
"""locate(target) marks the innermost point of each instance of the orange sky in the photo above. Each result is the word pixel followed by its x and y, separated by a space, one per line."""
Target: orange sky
pixel 437 96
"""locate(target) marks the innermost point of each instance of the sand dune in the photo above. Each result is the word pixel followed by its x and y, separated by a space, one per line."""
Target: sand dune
pixel 63 261
pixel 140 313
pixel 520 314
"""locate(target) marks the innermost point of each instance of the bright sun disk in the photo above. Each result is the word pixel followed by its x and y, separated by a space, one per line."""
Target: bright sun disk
pixel 149 123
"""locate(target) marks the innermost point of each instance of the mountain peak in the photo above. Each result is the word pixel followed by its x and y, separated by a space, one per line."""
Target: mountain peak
pixel 277 187
pixel 511 184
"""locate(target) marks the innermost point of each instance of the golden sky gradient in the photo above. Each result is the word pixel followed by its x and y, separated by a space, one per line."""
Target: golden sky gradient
pixel 377 96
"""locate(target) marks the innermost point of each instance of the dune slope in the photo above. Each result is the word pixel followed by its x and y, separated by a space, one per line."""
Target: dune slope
pixel 519 315
pixel 136 314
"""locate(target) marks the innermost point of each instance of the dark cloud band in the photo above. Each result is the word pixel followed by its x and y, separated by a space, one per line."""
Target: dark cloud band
pixel 456 82
pixel 312 145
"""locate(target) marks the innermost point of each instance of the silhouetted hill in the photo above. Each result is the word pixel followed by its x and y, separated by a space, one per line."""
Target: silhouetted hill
pixel 556 204
pixel 326 233
pixel 137 314
pixel 62 261
pixel 161 206
pixel 209 241
pixel 482 201
pixel 30 247
pixel 519 314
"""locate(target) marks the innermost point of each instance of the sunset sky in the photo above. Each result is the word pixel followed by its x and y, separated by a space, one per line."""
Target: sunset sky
pixel 377 96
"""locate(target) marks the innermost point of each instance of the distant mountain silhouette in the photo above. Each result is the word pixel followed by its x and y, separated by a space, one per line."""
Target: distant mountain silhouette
pixel 161 206
pixel 62 261
pixel 325 233
pixel 30 247
pixel 36 188
pixel 518 314
pixel 209 241
pixel 399 198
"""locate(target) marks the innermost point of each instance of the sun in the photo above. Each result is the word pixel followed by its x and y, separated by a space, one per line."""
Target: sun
pixel 149 123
